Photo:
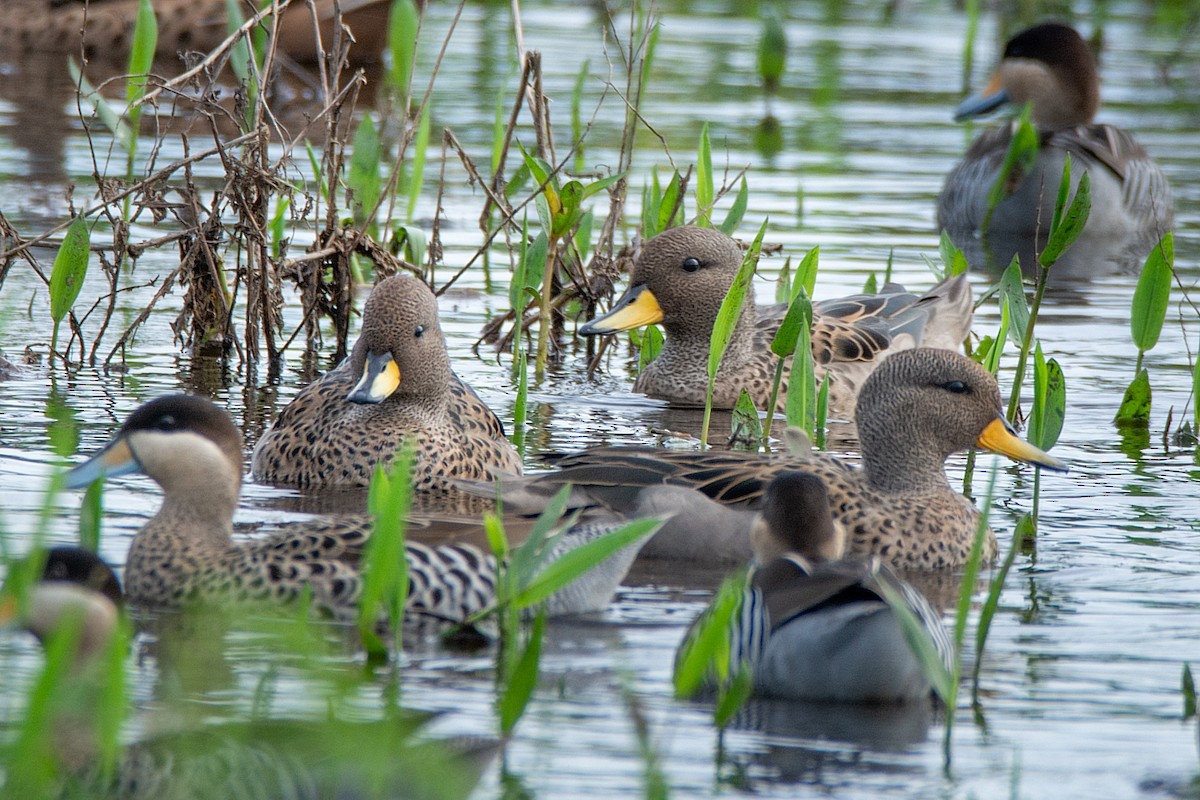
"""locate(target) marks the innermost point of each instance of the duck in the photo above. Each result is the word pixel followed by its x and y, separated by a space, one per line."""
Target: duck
pixel 681 276
pixel 395 387
pixel 261 757
pixel 186 553
pixel 43 26
pixel 814 624
pixel 1050 67
pixel 917 408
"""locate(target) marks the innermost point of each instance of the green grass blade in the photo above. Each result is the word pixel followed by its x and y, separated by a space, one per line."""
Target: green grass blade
pixel 731 698
pixel 103 109
pixel 416 178
pixel 806 273
pixel 577 114
pixel 91 512
pixel 1152 295
pixel 738 210
pixel 523 679
pixel 920 642
pixel 141 58
pixel 670 210
pixel 705 652
pixel 385 565
pixel 1188 689
pixel 705 193
pixel 1024 530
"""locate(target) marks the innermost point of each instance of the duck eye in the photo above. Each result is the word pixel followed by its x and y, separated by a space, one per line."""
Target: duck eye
pixel 958 387
pixel 418 331
pixel 691 264
pixel 167 422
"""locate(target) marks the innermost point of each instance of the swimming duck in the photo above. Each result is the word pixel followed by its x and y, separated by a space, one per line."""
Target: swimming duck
pixel 814 625
pixel 1051 67
pixel 681 276
pixel 396 385
pixel 260 757
pixel 186 552
pixel 40 26
pixel 915 410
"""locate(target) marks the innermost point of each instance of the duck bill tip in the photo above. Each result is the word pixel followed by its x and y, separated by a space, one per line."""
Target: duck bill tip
pixel 989 98
pixel 636 308
pixel 380 379
pixel 116 459
pixel 999 438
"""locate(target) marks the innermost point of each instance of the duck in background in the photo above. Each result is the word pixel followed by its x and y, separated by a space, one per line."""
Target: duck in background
pixel 1051 67
pixel 680 278
pixel 41 26
pixel 396 386
pixel 815 625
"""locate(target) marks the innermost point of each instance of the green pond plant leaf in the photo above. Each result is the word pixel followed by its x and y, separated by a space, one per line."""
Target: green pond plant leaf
pixel 1012 291
pixel 738 210
pixel 746 428
pixel 68 273
pixel 1067 226
pixel 1135 405
pixel 772 51
pixel 404 22
pixel 518 689
pixel 705 193
pixel 1049 401
pixel 1152 295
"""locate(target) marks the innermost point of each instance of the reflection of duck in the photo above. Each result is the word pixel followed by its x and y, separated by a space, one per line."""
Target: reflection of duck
pixel 680 278
pixel 259 758
pixel 396 386
pixel 815 626
pixel 1050 67
pixel 41 26
pixel 186 552
pixel 918 407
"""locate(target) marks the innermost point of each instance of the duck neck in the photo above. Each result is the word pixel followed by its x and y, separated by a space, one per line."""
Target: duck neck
pixel 201 505
pixel 894 463
pixel 689 343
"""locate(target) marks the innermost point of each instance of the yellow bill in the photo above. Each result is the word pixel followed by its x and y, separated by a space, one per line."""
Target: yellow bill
pixel 637 307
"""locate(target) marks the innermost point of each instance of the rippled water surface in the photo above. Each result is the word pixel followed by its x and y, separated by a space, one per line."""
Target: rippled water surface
pixel 1082 671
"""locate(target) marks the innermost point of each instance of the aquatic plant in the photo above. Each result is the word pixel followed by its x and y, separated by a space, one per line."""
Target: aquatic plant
pixel 1150 300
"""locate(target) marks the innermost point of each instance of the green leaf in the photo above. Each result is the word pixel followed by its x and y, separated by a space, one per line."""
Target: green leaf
pixel 385 564
pixel 797 319
pixel 70 269
pixel 1188 686
pixel 577 115
pixel 523 679
pixel 652 345
pixel 1049 401
pixel 731 698
pixel 705 192
pixel 952 257
pixel 670 211
pixel 734 218
pixel 1152 294
pixel 1018 160
pixel 1022 532
pixel 1135 405
pixel 1071 224
pixel 731 306
pixel 705 649
pixel 992 361
pixel 772 51
pixel 1012 290
pixel 745 425
pixel 416 178
pixel 403 24
pixel 806 273
pixel 141 59
pixel 104 110
pixel 595 187
pixel 531 268
pixel 90 515
pixel 575 562
pixel 363 179
pixel 871 285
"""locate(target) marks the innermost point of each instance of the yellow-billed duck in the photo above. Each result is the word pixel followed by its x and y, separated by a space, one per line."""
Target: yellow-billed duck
pixel 396 386
pixel 915 410
pixel 680 278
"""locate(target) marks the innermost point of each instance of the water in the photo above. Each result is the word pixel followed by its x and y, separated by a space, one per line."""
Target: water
pixel 1082 670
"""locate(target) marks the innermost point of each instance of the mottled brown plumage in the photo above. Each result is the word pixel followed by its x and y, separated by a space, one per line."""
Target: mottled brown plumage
pixel 917 408
pixel 41 26
pixel 338 428
pixel 682 275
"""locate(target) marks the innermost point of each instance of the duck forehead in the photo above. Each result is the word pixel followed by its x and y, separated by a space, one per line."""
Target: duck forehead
pixel 671 247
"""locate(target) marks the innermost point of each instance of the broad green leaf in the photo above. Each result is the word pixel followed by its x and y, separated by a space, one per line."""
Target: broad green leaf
pixel 363 179
pixel 141 58
pixel 1072 222
pixel 403 24
pixel 531 268
pixel 952 258
pixel 595 187
pixel 806 273
pixel 652 345
pixel 1049 401
pixel 731 306
pixel 670 211
pixel 1152 294
pixel 871 285
pixel 705 193
pixel 1135 405
pixel 70 269
pixel 798 318
pixel 523 679
pixel 1012 290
